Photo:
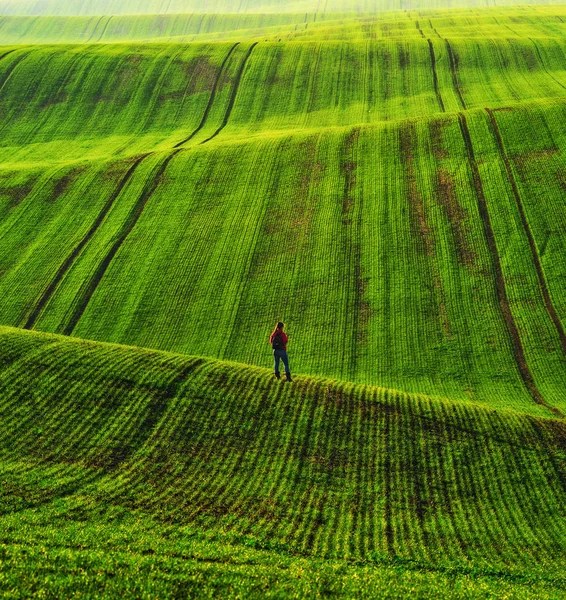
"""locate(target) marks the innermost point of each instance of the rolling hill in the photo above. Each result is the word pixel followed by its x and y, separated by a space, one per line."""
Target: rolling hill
pixel 149 473
pixel 387 179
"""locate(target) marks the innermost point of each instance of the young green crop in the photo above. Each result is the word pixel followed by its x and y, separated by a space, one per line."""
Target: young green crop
pixel 112 453
pixel 391 186
pixel 261 180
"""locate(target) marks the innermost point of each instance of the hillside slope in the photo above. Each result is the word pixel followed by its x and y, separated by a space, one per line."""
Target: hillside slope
pixel 515 22
pixel 319 7
pixel 184 197
pixel 133 452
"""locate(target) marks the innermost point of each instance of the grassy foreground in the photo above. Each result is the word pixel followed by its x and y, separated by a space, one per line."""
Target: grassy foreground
pixel 135 471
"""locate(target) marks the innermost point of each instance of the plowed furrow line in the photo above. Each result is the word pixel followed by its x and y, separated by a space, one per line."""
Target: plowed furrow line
pixel 459 517
pixel 359 443
pixel 44 496
pixel 344 457
pixel 222 462
pixel 388 484
pixel 288 444
pixel 488 488
pixel 374 447
pixel 136 473
pixel 236 486
pixel 324 461
pixel 558 465
pixel 21 385
pixel 211 99
pixel 417 485
pixel 314 458
pixel 467 488
pixel 510 501
pixel 536 259
pixel 133 218
pixel 69 261
pixel 143 427
pixel 489 235
pixel 267 447
pixel 177 432
pixel 435 75
pixel 454 74
pixel 523 498
pixel 234 94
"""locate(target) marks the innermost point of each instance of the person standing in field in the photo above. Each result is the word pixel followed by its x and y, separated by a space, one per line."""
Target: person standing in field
pixel 278 340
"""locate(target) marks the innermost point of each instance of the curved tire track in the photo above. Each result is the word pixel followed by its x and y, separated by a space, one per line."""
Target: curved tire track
pixel 211 99
pixel 453 69
pixel 536 258
pixel 130 223
pixel 11 69
pixel 69 261
pixel 489 235
pixel 234 94
pixel 434 75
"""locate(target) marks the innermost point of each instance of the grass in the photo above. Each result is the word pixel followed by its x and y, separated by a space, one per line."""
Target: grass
pixel 391 186
pixel 117 458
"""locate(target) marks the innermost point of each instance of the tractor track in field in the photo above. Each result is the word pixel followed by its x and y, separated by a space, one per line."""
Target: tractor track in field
pixel 94 29
pixel 536 258
pixel 130 223
pixel 3 56
pixel 489 235
pixel 417 25
pixel 454 68
pixel 543 65
pixel 69 261
pixel 11 69
pixel 435 75
pixel 234 93
pixel 211 99
pixel 104 30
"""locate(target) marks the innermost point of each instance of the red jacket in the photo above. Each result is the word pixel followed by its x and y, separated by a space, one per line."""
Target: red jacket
pixel 283 337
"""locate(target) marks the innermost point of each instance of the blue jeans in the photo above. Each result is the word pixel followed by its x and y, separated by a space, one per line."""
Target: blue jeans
pixel 281 355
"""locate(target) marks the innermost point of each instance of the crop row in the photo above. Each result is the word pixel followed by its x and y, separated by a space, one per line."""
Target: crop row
pixel 139 100
pixel 319 468
pixel 539 21
pixel 379 246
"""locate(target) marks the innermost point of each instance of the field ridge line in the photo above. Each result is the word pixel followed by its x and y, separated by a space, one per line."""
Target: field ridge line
pixel 435 75
pixel 536 258
pixel 211 98
pixel 69 261
pixel 454 74
pixel 512 329
pixel 234 93
pixel 131 222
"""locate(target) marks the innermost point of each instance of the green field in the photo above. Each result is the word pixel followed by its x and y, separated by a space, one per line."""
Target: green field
pixel 389 180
